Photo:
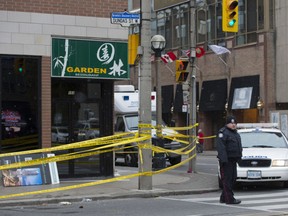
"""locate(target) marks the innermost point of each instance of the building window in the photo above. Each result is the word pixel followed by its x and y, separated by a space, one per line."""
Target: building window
pixel 19 103
pixel 174 23
pixel 209 20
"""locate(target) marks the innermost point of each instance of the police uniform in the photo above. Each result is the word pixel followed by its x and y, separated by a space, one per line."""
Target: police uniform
pixel 229 150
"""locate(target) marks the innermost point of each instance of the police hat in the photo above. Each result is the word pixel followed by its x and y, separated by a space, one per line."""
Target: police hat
pixel 231 119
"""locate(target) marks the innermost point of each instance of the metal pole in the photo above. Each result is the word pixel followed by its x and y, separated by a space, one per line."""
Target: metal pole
pixel 145 182
pixel 158 99
pixel 192 90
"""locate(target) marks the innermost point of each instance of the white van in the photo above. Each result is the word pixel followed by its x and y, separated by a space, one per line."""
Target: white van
pixel 126 105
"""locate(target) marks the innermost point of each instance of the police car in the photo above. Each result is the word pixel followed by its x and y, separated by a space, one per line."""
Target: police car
pixel 265 154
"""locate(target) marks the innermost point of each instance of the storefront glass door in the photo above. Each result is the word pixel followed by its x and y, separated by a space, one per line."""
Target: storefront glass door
pixel 75 118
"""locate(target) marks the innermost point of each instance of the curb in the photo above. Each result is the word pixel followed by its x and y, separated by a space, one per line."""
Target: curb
pixel 79 199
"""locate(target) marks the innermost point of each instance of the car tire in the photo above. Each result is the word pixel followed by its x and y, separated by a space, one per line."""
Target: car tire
pixel 175 160
pixel 131 159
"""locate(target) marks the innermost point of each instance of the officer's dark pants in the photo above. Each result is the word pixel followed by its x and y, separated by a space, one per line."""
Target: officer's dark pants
pixel 228 172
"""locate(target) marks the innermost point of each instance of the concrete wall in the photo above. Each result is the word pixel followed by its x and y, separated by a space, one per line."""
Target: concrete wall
pixel 281 19
pixel 25 33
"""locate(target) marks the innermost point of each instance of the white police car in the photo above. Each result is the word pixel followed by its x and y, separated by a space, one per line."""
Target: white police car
pixel 265 154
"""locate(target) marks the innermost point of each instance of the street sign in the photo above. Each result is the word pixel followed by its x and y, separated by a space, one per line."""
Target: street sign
pixel 125 18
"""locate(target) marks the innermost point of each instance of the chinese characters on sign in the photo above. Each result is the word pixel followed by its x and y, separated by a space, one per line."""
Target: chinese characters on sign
pixel 89 59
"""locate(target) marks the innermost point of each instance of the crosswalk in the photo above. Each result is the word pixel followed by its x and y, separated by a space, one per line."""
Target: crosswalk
pixel 267 202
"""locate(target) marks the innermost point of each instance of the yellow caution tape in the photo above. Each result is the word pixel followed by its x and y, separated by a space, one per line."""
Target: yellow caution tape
pixel 67 156
pixel 105 144
pixel 183 128
pixel 89 184
pixel 73 186
pixel 82 144
pixel 144 126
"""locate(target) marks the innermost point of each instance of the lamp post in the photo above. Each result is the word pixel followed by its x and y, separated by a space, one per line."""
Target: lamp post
pixel 158 44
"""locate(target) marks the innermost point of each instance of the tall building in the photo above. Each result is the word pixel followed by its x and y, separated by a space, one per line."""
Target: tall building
pixel 247 77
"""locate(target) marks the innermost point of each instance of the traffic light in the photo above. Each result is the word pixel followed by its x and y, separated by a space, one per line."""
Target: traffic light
pixel 181 73
pixel 19 65
pixel 230 15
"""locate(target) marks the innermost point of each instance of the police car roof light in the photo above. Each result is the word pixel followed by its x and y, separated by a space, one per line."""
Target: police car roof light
pixel 258 125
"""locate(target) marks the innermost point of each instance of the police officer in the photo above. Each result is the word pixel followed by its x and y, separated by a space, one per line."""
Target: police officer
pixel 229 150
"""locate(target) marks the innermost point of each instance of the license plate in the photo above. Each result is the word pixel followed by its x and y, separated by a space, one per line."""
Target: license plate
pixel 254 174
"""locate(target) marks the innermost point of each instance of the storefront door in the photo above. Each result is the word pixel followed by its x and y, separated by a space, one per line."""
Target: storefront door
pixel 75 118
pixel 74 122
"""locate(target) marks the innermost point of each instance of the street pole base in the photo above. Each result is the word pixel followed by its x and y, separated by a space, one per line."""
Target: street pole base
pixel 189 171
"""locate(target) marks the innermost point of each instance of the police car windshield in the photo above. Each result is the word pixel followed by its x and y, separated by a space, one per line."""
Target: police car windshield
pixel 263 140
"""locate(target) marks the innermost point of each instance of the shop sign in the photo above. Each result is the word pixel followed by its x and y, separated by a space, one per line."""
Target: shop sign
pixel 242 98
pixel 89 59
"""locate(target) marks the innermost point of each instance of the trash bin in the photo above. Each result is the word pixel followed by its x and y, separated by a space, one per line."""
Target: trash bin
pixel 159 159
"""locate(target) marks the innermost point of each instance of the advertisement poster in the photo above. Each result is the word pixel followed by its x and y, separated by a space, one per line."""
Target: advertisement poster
pixel 26 176
pixel 22 177
pixel 242 98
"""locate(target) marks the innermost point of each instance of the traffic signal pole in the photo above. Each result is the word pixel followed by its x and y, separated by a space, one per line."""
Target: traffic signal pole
pixel 192 90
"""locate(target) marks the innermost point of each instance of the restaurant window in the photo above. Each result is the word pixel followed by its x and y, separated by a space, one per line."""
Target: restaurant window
pixel 19 103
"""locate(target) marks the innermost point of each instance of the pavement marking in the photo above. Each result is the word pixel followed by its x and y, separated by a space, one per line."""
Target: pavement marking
pixel 271 207
pixel 276 202
pixel 241 206
pixel 262 201
pixel 266 195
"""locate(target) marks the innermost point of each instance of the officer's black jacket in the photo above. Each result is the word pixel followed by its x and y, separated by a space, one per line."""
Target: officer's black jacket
pixel 229 145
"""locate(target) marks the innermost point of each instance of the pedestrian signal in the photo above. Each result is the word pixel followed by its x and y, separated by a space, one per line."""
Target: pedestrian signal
pixel 230 15
pixel 181 73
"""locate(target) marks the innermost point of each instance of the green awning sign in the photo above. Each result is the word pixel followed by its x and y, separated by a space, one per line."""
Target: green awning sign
pixel 89 59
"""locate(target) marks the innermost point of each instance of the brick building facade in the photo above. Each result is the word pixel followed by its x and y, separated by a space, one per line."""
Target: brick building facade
pixel 255 66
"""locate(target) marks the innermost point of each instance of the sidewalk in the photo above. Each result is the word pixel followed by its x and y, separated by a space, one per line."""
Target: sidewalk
pixel 172 182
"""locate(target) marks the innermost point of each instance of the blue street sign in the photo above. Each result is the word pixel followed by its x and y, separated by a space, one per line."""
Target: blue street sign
pixel 125 18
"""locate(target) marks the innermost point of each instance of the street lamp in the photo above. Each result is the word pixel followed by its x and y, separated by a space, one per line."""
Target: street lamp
pixel 158 44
